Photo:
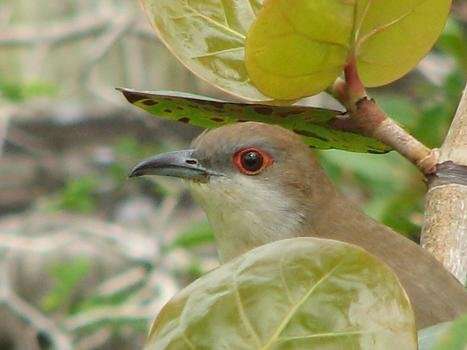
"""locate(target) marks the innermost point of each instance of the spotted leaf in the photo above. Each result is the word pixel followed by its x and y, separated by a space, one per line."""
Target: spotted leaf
pixel 315 125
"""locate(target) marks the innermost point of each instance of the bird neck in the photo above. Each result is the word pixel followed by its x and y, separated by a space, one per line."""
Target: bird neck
pixel 247 215
pixel 250 214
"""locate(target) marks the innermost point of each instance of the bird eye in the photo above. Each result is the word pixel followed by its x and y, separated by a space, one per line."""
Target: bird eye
pixel 251 161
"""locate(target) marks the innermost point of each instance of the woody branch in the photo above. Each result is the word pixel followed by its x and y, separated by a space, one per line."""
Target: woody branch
pixel 444 232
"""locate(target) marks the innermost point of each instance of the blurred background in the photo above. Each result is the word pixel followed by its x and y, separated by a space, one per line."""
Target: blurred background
pixel 87 257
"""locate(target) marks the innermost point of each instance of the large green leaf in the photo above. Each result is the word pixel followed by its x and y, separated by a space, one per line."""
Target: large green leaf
pixel 208 36
pixel 315 125
pixel 301 293
pixel 298 48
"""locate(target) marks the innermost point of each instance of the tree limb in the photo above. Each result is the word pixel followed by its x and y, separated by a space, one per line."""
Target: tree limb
pixel 54 34
pixel 62 32
pixel 444 232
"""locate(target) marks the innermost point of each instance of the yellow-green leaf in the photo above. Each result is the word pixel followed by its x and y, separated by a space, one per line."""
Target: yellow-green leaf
pixel 315 125
pixel 392 36
pixel 298 48
pixel 301 293
pixel 209 38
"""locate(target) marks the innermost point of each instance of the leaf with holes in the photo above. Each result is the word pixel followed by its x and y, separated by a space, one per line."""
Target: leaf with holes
pixel 209 38
pixel 315 125
pixel 300 293
pixel 299 48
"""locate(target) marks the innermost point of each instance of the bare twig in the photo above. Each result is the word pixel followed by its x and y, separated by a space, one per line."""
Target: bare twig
pixel 444 232
pixel 125 313
pixel 123 281
pixel 141 307
pixel 107 27
pixel 59 33
pixel 55 34
pixel 119 28
pixel 95 340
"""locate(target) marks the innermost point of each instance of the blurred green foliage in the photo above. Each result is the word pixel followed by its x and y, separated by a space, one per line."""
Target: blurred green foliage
pixel 18 92
pixel 455 338
pixel 445 336
pixel 78 195
pixel 66 276
pixel 198 234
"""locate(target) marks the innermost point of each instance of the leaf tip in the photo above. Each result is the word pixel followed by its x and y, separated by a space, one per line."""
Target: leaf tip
pixel 131 95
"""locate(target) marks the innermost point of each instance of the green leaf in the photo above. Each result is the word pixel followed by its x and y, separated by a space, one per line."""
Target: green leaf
pixel 296 49
pixel 301 293
pixel 391 37
pixel 444 336
pixel 315 125
pixel 208 37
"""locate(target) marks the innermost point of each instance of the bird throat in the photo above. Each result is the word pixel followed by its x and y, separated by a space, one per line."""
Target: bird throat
pixel 244 214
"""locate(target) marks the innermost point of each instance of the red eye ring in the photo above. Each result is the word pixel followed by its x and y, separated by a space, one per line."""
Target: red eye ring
pixel 251 161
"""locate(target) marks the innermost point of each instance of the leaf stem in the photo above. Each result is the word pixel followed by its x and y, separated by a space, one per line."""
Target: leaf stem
pixel 366 117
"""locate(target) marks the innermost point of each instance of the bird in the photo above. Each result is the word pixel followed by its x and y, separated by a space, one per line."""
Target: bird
pixel 258 183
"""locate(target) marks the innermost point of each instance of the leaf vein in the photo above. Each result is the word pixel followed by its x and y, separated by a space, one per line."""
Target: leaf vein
pixel 383 27
pixel 224 13
pixel 242 312
pixel 214 22
pixel 286 287
pixel 187 341
pixel 295 307
pixel 251 7
pixel 327 335
pixel 218 52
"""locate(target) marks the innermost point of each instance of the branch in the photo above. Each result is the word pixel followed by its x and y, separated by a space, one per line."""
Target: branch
pixel 63 32
pixel 54 34
pixel 119 27
pixel 367 118
pixel 444 232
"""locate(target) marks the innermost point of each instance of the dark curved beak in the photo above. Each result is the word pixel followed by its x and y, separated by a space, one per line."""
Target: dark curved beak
pixel 180 164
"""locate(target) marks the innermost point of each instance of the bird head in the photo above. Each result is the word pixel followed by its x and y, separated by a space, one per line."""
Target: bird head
pixel 253 180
